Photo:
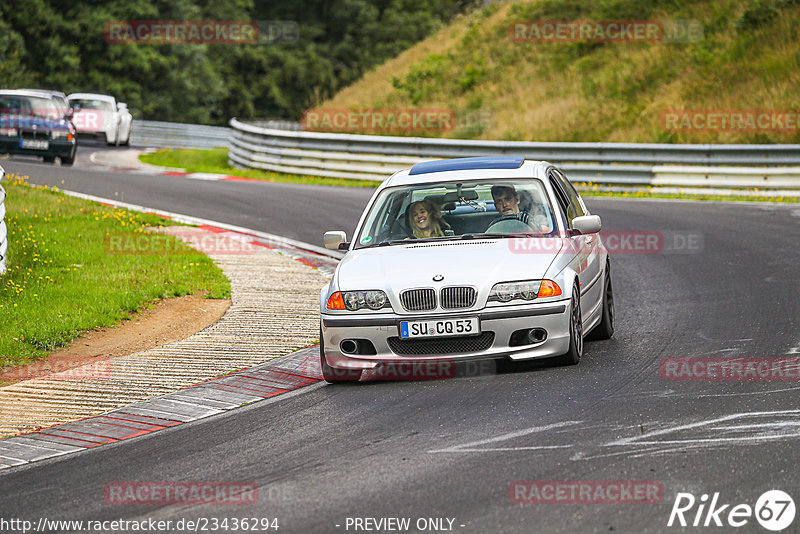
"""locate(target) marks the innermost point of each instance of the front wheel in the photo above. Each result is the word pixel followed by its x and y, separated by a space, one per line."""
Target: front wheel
pixel 69 160
pixel 330 374
pixel 573 355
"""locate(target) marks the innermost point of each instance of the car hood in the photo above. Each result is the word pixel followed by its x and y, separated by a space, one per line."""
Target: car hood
pixel 478 263
pixel 25 122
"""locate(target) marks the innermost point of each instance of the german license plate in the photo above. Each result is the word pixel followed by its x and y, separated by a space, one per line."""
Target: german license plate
pixel 34 144
pixel 463 326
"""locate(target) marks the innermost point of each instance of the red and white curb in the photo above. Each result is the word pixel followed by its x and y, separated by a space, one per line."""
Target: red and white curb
pixel 209 176
pixel 213 397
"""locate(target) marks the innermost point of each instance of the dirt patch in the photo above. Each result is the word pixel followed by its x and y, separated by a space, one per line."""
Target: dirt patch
pixel 169 320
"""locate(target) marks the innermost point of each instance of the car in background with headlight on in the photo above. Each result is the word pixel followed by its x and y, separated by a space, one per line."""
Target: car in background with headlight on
pixel 33 123
pixel 494 284
pixel 101 117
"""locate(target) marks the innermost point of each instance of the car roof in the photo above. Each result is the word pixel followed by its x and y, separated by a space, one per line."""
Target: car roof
pixel 94 96
pixel 452 170
pixel 50 92
pixel 25 92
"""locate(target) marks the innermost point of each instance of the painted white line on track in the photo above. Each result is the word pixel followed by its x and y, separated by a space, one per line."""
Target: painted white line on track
pixel 471 447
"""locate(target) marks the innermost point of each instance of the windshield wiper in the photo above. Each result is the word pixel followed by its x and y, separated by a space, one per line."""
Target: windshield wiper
pixel 393 242
pixel 501 236
pixel 484 235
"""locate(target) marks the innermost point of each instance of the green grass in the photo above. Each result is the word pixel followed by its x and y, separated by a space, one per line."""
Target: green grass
pixel 602 92
pixel 215 160
pixel 688 196
pixel 63 279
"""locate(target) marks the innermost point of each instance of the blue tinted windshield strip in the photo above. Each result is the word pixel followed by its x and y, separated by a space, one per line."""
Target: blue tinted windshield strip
pixel 464 164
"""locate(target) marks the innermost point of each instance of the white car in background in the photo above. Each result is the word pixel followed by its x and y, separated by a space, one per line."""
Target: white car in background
pixel 101 116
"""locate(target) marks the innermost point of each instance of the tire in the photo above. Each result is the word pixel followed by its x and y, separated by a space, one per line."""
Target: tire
pixel 49 159
pixel 573 355
pixel 605 328
pixel 69 160
pixel 331 375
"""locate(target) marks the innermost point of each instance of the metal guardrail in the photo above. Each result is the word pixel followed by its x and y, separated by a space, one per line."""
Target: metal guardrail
pixel 375 157
pixel 3 228
pixel 178 135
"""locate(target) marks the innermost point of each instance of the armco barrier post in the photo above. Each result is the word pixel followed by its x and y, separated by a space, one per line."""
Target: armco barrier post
pixel 3 230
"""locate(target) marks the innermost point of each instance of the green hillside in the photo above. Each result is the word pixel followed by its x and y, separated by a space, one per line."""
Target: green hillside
pixel 747 59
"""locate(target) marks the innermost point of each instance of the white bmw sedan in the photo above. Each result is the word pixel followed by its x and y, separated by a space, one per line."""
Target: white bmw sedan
pixel 465 259
pixel 101 116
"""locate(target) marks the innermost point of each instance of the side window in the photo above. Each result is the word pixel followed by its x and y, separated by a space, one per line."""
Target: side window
pixel 562 198
pixel 574 197
pixel 562 185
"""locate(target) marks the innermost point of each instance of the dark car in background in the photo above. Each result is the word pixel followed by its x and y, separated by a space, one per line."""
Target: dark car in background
pixel 34 123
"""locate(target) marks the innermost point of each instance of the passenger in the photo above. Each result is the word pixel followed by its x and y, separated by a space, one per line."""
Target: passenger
pixel 506 201
pixel 425 220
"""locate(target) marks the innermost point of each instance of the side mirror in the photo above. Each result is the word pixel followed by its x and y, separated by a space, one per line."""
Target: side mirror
pixel 588 224
pixel 122 105
pixel 333 240
pixel 70 114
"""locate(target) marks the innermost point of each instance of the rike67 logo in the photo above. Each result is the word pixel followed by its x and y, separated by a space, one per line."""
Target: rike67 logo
pixel 774 510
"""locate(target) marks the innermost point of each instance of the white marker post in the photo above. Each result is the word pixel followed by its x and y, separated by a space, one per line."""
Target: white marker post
pixel 3 230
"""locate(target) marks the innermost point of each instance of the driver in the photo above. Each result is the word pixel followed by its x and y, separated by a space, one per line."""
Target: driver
pixel 506 201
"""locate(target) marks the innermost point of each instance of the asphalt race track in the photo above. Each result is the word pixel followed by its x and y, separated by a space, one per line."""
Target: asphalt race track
pixel 453 448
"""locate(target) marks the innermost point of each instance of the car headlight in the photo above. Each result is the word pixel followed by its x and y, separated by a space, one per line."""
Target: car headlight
pixel 356 300
pixel 10 132
pixel 523 290
pixel 59 134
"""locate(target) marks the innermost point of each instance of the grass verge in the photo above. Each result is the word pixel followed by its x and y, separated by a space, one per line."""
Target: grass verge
pixel 62 278
pixel 215 160
pixel 588 191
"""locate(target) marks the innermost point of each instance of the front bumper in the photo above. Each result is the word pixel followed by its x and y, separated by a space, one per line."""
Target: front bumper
pixel 56 147
pixel 382 330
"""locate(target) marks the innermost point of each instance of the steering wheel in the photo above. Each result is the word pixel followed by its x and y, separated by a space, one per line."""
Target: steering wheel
pixel 508 224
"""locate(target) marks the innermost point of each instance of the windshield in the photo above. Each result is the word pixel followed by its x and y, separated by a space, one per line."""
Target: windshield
pixel 29 106
pixel 494 208
pixel 81 103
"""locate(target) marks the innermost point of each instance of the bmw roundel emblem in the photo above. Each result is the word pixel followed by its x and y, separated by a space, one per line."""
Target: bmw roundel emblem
pixel 438 278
